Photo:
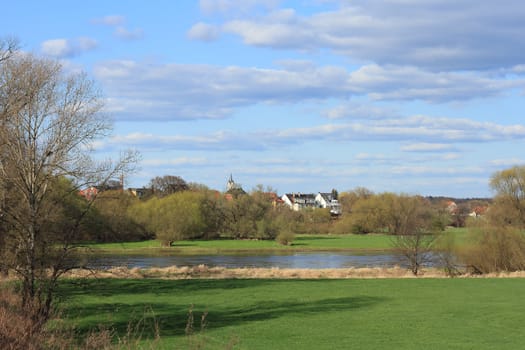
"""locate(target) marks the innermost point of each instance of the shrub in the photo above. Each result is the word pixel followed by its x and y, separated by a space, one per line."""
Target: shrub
pixel 285 237
pixel 494 249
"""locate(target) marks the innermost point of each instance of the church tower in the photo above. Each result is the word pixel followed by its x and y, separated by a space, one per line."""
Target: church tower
pixel 231 185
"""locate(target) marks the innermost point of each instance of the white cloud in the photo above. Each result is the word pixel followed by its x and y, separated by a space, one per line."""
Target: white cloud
pixel 437 171
pixel 419 133
pixel 176 91
pixel 437 35
pixel 112 20
pixel 505 163
pixel 359 111
pixel 236 6
pixel 427 147
pixel 62 48
pixel 126 34
pixel 203 31
pixel 412 83
pixel 176 161
pixel 118 23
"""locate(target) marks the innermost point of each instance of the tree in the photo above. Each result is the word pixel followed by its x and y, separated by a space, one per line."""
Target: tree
pixel 48 122
pixel 8 46
pixel 411 223
pixel 350 198
pixel 509 201
pixel 112 218
pixel 182 215
pixel 168 184
pixel 250 215
pixel 493 249
pixel 496 241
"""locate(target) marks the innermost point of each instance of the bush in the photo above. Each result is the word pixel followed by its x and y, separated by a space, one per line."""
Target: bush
pixel 494 249
pixel 21 329
pixel 285 238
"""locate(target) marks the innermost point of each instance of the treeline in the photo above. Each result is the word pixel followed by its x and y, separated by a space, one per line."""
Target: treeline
pixel 200 213
pixel 175 210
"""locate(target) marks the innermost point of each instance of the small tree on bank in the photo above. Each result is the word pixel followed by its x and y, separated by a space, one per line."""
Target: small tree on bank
pixel 413 237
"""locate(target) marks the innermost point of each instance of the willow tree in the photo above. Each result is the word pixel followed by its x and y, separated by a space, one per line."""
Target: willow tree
pixel 509 201
pixel 48 122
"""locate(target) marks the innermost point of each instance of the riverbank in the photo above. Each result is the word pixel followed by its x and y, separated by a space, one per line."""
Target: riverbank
pixel 205 272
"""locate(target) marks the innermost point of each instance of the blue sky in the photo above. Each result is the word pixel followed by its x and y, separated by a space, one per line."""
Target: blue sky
pixel 420 97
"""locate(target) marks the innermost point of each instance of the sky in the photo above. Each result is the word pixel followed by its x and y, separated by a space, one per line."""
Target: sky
pixel 405 96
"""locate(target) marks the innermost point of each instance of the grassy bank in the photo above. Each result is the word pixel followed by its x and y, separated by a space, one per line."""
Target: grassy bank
pixel 350 242
pixel 310 314
pixel 301 243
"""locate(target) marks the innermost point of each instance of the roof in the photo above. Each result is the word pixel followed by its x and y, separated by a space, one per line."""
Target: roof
pixel 300 197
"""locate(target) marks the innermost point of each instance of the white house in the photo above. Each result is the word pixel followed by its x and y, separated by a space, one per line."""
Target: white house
pixel 327 200
pixel 298 201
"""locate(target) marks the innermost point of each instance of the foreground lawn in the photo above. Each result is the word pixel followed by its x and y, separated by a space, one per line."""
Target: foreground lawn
pixel 311 314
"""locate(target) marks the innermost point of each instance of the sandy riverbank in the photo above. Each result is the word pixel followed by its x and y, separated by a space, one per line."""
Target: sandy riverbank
pixel 202 271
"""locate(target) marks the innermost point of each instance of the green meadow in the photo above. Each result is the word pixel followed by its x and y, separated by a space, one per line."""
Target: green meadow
pixel 471 313
pixel 348 242
pixel 300 243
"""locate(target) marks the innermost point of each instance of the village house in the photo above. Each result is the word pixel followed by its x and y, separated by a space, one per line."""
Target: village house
pixel 299 201
pixel 141 192
pixel 329 200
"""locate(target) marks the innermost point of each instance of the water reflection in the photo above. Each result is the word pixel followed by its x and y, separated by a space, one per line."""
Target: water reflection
pixel 297 260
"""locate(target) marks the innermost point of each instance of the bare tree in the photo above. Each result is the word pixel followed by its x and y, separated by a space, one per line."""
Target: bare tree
pixel 48 122
pixel 413 238
pixel 416 247
pixel 8 47
pixel 167 184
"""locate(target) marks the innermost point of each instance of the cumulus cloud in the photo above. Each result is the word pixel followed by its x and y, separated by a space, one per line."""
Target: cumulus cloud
pixel 237 6
pixel 65 48
pixel 359 111
pixel 216 141
pixel 203 31
pixel 120 30
pixel 507 162
pixel 415 129
pixel 429 171
pixel 186 161
pixel 176 91
pixel 412 83
pixel 112 20
pixel 419 133
pixel 427 147
pixel 126 34
pixel 435 35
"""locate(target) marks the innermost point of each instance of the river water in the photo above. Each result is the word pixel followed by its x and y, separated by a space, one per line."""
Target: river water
pixel 295 260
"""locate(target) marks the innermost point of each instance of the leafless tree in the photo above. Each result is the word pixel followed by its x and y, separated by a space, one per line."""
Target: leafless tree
pixel 416 247
pixel 167 184
pixel 413 238
pixel 48 123
pixel 8 46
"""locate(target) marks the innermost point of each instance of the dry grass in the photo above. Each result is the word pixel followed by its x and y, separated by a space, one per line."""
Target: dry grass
pixel 203 271
pixel 18 331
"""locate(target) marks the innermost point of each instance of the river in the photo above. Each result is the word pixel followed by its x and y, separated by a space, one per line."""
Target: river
pixel 323 260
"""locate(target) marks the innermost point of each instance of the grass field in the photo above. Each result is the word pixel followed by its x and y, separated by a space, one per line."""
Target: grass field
pixel 474 313
pixel 301 243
